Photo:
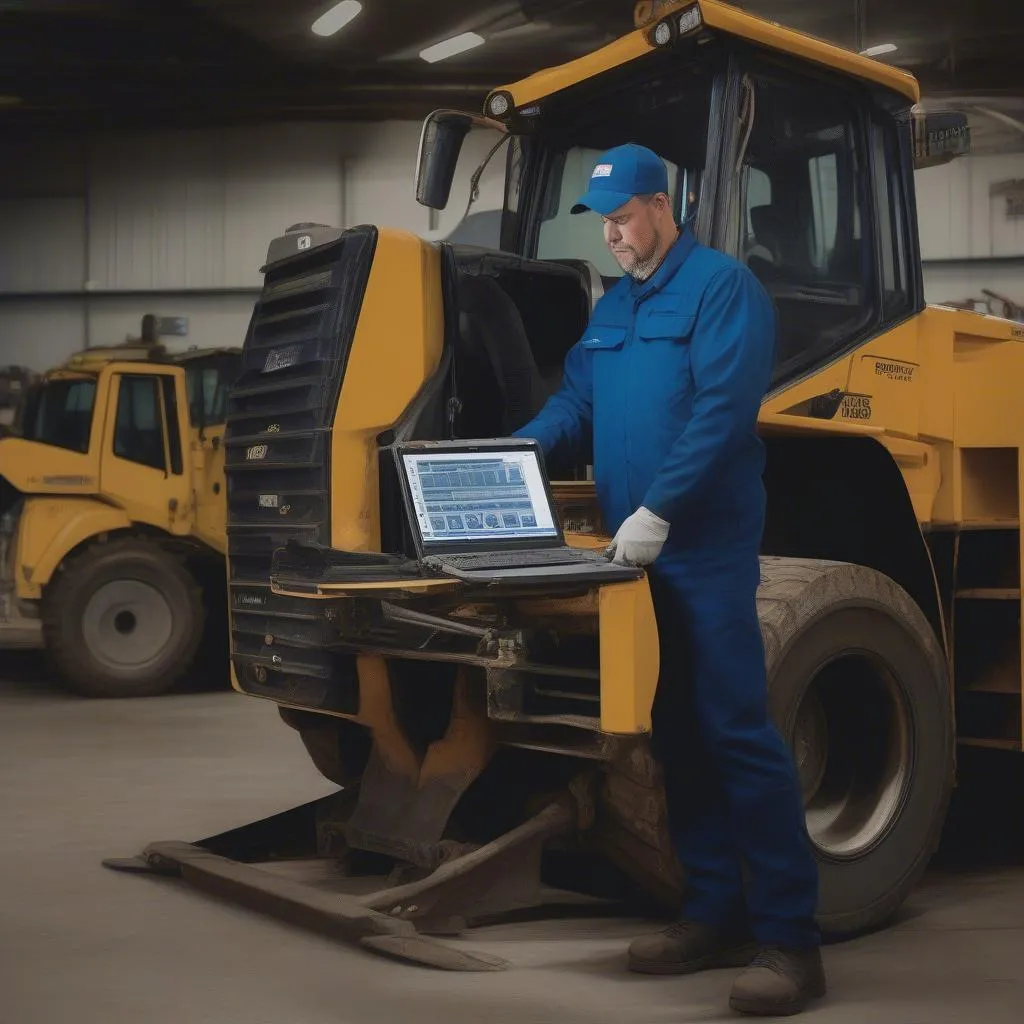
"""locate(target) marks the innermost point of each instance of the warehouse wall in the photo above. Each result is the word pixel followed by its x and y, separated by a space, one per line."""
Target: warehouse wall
pixel 94 233
pixel 968 242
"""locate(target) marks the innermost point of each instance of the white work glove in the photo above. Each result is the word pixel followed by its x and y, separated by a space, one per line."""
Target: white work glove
pixel 640 539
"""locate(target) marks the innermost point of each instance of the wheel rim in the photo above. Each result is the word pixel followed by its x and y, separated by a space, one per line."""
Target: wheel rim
pixel 852 745
pixel 127 624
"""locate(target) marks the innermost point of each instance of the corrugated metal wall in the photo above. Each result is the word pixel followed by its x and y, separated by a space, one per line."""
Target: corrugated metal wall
pixel 95 234
pixel 196 210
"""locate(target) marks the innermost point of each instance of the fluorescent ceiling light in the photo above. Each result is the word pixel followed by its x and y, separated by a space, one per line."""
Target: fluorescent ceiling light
pixel 337 17
pixel 450 47
pixel 877 51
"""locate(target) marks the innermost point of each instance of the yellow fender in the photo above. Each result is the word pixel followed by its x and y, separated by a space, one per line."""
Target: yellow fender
pixel 49 529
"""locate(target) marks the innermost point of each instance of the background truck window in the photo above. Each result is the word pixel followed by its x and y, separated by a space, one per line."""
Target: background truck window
pixel 138 428
pixel 59 412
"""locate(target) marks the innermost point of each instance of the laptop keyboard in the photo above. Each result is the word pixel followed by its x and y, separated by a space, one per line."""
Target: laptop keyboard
pixel 520 559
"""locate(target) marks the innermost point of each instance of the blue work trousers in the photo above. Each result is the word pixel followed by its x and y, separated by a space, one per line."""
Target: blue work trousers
pixel 733 795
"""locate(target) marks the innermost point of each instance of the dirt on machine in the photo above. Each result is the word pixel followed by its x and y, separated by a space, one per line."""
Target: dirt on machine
pixel 491 740
pixel 112 510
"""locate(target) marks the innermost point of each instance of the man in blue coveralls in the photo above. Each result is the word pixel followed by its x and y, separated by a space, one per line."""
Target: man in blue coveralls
pixel 668 379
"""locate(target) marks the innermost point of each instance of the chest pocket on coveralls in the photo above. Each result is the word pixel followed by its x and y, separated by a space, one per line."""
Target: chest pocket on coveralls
pixel 664 351
pixel 604 337
pixel 604 343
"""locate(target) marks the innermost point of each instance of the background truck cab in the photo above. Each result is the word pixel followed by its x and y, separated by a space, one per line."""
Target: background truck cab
pixel 112 516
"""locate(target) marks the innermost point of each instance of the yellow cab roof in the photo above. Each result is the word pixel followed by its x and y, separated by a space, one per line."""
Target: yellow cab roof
pixel 724 18
pixel 91 360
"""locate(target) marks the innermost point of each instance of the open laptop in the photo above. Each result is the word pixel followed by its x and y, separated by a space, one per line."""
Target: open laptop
pixel 481 511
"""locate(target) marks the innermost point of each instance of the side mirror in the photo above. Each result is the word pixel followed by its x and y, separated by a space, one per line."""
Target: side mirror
pixel 939 137
pixel 444 132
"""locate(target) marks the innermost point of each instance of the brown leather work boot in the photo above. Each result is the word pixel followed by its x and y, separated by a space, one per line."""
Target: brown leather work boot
pixel 778 982
pixel 686 947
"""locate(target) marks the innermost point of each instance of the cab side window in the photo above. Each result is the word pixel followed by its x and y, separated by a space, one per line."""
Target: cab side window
pixel 898 292
pixel 804 216
pixel 138 427
pixel 207 394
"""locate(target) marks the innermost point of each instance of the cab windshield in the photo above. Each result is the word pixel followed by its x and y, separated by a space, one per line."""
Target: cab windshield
pixel 59 413
pixel 668 111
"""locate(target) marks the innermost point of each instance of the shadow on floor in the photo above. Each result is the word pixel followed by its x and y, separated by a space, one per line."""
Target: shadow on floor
pixel 985 828
pixel 26 672
pixel 25 668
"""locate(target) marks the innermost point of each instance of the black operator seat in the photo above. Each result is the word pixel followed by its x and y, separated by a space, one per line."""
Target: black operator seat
pixel 503 387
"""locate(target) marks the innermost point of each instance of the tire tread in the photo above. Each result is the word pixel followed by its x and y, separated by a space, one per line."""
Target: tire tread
pixel 793 593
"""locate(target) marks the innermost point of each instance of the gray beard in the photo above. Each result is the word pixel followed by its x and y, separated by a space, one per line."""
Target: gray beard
pixel 644 266
pixel 643 269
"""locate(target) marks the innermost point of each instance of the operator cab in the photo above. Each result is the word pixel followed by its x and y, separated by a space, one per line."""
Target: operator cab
pixel 804 175
pixel 523 300
pixel 58 411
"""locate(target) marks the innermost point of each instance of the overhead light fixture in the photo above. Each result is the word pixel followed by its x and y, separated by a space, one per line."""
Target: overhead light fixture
pixel 337 17
pixel 450 47
pixel 878 51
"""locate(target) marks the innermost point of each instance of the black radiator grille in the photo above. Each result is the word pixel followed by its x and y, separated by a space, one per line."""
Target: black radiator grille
pixel 277 464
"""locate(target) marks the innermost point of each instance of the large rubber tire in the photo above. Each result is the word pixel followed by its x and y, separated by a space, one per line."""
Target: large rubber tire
pixel 123 619
pixel 859 688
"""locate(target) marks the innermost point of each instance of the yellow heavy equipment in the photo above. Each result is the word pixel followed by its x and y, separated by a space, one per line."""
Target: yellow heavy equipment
pixel 112 511
pixel 489 740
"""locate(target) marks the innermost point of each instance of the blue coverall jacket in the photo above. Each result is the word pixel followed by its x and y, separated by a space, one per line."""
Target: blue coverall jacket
pixel 668 377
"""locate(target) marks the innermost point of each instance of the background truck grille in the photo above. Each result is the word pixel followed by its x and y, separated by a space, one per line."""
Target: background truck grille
pixel 277 463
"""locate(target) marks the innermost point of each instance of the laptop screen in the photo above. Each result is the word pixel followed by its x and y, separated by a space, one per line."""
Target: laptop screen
pixel 493 496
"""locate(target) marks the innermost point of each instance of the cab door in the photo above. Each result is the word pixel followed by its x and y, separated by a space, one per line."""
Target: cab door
pixel 143 464
pixel 207 380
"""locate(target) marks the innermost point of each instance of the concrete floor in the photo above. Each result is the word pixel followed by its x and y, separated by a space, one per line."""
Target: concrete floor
pixel 80 780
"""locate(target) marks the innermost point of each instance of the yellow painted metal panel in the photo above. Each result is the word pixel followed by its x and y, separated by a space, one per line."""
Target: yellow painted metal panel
pixel 397 347
pixel 724 18
pixel 49 528
pixel 921 466
pixel 36 468
pixel 630 657
pixel 886 371
pixel 987 375
pixel 207 468
pixel 935 375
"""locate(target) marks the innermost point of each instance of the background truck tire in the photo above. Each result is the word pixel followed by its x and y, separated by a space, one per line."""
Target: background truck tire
pixel 859 689
pixel 123 619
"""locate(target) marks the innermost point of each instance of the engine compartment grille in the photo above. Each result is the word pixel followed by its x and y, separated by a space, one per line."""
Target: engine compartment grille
pixel 277 465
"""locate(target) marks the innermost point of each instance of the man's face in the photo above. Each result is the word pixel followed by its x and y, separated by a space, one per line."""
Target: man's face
pixel 632 234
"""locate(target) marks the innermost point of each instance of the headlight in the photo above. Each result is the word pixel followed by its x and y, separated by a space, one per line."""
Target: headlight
pixel 662 34
pixel 499 105
pixel 690 20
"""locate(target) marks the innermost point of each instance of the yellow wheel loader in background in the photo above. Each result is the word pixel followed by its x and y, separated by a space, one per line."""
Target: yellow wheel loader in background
pixel 490 738
pixel 112 512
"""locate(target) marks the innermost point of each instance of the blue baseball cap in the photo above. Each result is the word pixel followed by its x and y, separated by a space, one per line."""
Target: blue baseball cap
pixel 621 174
